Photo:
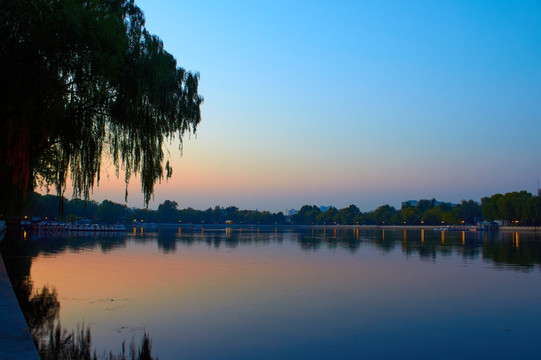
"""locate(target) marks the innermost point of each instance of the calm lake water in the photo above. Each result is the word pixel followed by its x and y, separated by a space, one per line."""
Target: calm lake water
pixel 295 293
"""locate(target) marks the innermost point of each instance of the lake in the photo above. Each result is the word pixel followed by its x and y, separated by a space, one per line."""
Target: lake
pixel 294 293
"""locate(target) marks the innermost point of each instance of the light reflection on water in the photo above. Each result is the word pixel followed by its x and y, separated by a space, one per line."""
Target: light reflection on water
pixel 310 294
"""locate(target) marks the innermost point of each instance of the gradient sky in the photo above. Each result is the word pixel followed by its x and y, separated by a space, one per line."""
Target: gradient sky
pixel 352 102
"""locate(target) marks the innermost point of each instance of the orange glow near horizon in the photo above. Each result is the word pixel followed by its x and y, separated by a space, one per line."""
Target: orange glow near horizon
pixel 128 281
pixel 204 178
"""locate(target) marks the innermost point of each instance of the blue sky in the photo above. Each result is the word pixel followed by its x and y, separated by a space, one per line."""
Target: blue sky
pixel 353 102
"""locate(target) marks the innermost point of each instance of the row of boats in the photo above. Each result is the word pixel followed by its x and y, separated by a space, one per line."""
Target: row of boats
pixel 484 226
pixel 77 226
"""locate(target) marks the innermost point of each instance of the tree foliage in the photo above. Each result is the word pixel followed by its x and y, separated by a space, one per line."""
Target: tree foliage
pixel 168 211
pixel 306 215
pixel 85 79
pixel 527 206
pixel 111 212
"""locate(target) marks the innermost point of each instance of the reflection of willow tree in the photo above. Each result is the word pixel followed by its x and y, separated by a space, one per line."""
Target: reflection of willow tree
pixel 41 310
pixel 77 345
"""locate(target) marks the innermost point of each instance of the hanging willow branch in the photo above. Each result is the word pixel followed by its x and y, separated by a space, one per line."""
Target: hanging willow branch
pixel 84 77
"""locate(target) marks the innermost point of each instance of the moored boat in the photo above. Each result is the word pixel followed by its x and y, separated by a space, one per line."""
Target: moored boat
pixel 83 226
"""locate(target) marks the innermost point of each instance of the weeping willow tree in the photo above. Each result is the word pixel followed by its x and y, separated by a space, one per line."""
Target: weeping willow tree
pixel 82 80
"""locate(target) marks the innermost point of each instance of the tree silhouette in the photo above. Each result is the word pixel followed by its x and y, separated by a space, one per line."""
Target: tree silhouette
pixel 84 78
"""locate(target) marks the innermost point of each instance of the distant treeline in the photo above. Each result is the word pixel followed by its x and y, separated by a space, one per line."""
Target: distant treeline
pixel 517 208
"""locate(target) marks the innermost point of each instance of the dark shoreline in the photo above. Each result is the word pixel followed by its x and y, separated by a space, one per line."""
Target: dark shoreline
pixel 15 339
pixel 289 226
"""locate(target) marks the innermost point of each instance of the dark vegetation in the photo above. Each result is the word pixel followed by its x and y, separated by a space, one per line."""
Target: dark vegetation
pixel 83 79
pixel 515 208
pixel 77 345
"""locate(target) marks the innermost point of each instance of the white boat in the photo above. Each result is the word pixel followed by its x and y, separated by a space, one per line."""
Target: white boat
pixel 78 226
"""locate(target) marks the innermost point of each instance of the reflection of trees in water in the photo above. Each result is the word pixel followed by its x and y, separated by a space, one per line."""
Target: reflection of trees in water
pixel 41 308
pixel 523 250
pixel 168 238
pixel 310 243
pixel 36 243
pixel 77 345
pixel 167 242
pixel 520 250
pixel 334 240
pixel 503 248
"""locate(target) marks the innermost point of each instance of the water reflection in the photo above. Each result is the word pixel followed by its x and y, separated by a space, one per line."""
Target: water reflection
pixel 319 292
pixel 41 307
pixel 502 248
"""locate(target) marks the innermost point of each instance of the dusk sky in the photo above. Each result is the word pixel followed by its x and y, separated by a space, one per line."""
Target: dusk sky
pixel 352 102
